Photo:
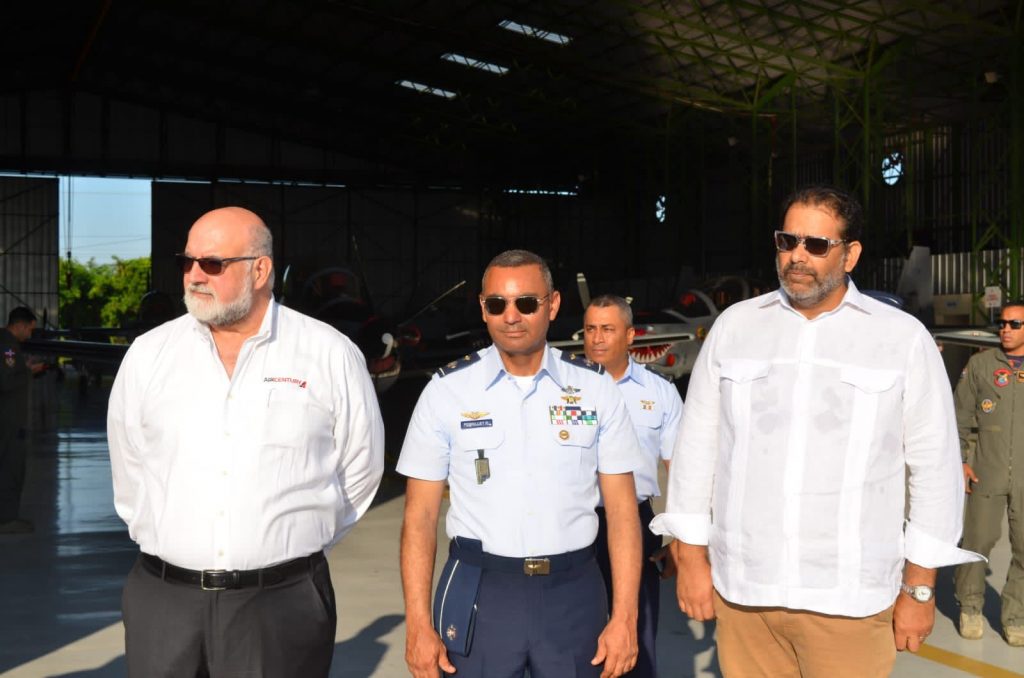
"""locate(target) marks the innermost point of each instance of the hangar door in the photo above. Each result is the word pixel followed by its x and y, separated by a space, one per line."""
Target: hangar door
pixel 29 246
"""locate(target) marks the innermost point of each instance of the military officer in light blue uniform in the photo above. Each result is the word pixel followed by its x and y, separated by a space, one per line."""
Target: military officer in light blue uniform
pixel 528 438
pixel 655 408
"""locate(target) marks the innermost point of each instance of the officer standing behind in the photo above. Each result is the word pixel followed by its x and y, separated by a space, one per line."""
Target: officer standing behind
pixel 991 422
pixel 15 374
pixel 525 436
pixel 655 408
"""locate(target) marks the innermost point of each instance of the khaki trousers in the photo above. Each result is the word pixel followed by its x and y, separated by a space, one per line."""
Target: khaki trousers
pixel 774 642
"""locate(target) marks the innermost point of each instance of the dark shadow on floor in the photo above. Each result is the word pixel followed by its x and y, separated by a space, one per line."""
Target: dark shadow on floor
pixel 359 656
pixel 116 668
pixel 945 600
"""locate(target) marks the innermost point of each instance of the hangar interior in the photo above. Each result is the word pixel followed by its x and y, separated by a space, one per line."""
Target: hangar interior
pixel 647 144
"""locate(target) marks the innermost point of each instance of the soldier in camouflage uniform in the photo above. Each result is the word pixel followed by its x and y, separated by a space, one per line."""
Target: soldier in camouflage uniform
pixel 15 374
pixel 990 418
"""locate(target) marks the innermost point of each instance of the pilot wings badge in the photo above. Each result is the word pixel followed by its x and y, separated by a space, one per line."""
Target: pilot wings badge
pixel 474 415
pixel 570 396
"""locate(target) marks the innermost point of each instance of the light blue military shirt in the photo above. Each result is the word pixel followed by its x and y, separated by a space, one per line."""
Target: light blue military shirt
pixel 545 441
pixel 656 409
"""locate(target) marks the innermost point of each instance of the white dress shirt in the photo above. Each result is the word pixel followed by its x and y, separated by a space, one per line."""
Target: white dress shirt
pixel 792 458
pixel 276 462
pixel 655 409
pixel 545 438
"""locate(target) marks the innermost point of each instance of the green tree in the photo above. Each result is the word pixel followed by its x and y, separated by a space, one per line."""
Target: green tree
pixel 108 295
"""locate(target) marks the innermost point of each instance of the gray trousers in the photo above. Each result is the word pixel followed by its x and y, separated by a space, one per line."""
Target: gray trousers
pixel 174 630
pixel 982 523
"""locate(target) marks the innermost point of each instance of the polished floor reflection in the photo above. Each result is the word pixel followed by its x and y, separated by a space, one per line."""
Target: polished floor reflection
pixel 60 587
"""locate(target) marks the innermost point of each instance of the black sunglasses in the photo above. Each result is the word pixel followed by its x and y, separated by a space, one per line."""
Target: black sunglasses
pixel 527 304
pixel 209 265
pixel 1014 324
pixel 814 244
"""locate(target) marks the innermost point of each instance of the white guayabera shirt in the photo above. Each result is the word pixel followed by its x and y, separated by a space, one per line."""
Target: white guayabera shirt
pixel 276 462
pixel 793 458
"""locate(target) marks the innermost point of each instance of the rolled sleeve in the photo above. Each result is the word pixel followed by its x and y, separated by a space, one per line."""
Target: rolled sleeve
pixel 925 550
pixel 690 529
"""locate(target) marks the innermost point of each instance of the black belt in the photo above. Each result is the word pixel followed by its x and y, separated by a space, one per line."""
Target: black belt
pixel 539 565
pixel 219 580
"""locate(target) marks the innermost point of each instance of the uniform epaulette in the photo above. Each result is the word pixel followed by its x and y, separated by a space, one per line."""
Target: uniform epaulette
pixel 582 361
pixel 456 365
pixel 659 374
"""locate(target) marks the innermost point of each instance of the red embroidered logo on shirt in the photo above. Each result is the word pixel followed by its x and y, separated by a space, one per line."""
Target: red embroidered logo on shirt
pixel 1002 377
pixel 301 383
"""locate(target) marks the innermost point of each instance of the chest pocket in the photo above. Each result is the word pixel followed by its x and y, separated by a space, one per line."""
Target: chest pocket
pixel 471 440
pixel 293 417
pixel 872 391
pixel 742 371
pixel 643 418
pixel 575 436
pixel 868 380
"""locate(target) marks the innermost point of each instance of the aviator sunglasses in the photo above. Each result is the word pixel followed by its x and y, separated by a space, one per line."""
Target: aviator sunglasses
pixel 1014 324
pixel 209 265
pixel 815 245
pixel 527 304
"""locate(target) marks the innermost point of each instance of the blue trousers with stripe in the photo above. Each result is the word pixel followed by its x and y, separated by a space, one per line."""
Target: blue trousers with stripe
pixel 548 624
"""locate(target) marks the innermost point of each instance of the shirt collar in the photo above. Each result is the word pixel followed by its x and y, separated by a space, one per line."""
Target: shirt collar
pixel 634 371
pixel 853 298
pixel 494 368
pixel 267 330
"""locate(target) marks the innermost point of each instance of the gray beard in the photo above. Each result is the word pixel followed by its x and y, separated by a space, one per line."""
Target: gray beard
pixel 215 313
pixel 816 292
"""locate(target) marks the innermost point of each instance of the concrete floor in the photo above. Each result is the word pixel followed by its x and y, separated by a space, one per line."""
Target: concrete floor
pixel 61 586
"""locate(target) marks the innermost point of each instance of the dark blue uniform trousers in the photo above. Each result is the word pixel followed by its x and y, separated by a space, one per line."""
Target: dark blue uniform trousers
pixel 548 624
pixel 650 581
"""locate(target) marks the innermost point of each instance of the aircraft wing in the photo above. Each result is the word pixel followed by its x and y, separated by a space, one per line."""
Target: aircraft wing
pixel 974 338
pixel 638 342
pixel 87 351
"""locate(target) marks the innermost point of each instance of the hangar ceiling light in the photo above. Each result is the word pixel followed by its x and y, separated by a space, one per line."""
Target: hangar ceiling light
pixel 475 63
pixel 426 89
pixel 540 33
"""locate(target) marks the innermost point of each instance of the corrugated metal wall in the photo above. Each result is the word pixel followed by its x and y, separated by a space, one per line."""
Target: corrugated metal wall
pixel 28 246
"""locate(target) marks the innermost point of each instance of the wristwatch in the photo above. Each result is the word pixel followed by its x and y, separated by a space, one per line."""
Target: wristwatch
pixel 922 593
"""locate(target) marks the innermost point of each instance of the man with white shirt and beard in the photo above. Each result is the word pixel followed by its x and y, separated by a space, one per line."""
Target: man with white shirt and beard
pixel 806 408
pixel 245 440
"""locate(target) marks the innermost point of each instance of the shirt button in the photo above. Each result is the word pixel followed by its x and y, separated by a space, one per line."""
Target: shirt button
pixel 220 553
pixel 224 472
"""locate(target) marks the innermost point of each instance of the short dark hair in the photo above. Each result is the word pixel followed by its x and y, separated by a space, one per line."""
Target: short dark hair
pixel 1016 303
pixel 608 300
pixel 514 258
pixel 21 314
pixel 841 203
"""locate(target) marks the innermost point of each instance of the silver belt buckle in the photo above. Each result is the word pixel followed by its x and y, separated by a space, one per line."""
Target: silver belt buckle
pixel 202 580
pixel 535 566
